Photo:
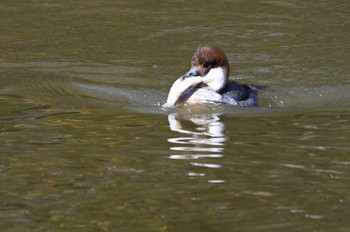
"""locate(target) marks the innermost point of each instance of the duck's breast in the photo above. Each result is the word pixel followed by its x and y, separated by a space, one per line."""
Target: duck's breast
pixel 204 95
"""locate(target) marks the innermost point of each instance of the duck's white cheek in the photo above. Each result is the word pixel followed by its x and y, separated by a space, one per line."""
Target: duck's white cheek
pixel 215 78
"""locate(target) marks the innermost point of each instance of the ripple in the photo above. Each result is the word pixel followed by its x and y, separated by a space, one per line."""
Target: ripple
pixel 195 174
pixel 191 140
pixel 216 181
pixel 326 148
pixel 207 165
pixel 314 216
pixel 331 96
pixel 197 149
pixel 195 156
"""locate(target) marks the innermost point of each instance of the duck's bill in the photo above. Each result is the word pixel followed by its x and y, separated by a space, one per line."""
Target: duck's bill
pixel 193 72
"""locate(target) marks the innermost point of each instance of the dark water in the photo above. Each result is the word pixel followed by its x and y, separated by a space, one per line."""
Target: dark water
pixel 87 146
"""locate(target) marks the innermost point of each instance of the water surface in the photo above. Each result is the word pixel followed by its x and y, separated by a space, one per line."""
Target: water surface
pixel 87 146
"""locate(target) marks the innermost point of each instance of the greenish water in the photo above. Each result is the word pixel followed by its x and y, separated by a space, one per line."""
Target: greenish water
pixel 86 145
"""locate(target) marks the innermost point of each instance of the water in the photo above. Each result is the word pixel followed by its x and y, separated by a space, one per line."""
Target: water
pixel 87 146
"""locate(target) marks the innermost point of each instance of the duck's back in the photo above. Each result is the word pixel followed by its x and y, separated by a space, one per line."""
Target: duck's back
pixel 233 94
pixel 239 94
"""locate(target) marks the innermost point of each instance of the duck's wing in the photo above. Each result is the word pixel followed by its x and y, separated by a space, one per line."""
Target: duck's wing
pixel 237 91
pixel 240 94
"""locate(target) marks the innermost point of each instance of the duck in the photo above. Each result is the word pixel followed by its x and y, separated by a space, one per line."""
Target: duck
pixel 208 81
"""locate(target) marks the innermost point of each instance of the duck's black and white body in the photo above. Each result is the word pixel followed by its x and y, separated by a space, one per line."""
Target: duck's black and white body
pixel 207 81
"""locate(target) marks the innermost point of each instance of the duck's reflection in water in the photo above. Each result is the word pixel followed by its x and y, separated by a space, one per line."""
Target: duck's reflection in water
pixel 203 139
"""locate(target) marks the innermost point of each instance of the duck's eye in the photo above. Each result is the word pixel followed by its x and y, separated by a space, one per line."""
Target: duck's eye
pixel 206 65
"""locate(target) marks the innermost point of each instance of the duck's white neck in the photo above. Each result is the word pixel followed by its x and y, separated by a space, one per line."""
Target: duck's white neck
pixel 216 78
pixel 180 86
